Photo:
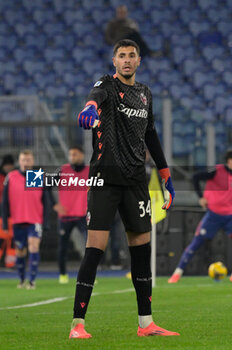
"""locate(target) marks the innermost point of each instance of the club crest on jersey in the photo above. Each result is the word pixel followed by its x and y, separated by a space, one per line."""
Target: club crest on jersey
pixel 98 83
pixel 143 98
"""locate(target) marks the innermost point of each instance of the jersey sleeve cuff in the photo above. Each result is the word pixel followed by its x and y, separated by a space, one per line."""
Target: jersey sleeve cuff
pixel 165 173
pixel 94 103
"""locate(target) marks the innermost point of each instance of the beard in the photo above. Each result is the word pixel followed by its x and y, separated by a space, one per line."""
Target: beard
pixel 128 76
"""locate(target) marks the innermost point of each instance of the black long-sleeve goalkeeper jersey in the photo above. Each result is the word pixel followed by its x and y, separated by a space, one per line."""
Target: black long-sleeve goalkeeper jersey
pixel 126 124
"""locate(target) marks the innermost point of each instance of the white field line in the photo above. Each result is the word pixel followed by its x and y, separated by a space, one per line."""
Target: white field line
pixel 55 300
pixel 44 302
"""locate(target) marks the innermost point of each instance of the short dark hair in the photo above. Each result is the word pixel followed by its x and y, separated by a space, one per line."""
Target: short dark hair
pixel 126 43
pixel 7 159
pixel 228 154
pixel 78 147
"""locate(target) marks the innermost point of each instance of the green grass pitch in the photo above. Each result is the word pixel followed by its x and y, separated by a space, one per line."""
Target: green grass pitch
pixel 197 307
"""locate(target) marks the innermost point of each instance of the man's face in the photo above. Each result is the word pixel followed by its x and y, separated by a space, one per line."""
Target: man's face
pixel 7 168
pixel 126 61
pixel 26 161
pixel 121 12
pixel 75 157
pixel 229 163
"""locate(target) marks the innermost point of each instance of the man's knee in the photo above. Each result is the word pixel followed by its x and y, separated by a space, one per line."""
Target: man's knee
pixel 21 253
pixel 97 239
pixel 197 242
pixel 135 239
pixel 33 244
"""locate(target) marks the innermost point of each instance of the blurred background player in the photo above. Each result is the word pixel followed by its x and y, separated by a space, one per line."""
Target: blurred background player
pixel 126 124
pixel 6 245
pixel 6 166
pixel 74 203
pixel 29 210
pixel 123 27
pixel 217 199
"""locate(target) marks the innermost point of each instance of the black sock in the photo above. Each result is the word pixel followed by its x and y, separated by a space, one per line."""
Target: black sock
pixel 141 276
pixel 85 281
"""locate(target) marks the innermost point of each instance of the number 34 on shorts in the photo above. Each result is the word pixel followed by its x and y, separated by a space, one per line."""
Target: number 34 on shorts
pixel 145 208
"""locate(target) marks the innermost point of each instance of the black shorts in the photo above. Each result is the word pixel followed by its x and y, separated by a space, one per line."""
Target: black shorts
pixel 133 203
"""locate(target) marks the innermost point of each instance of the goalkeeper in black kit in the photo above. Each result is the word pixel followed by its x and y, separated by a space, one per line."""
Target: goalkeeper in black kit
pixel 119 111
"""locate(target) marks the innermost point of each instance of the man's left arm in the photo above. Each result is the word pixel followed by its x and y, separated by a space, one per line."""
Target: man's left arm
pixel 5 204
pixel 49 202
pixel 153 144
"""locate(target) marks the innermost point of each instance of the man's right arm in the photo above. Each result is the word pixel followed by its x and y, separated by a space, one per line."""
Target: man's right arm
pixel 89 115
pixel 5 204
pixel 202 176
